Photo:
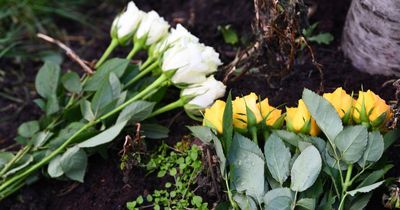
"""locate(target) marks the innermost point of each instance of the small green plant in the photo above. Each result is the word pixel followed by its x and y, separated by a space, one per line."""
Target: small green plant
pixel 183 164
pixel 21 20
pixel 320 38
pixel 230 35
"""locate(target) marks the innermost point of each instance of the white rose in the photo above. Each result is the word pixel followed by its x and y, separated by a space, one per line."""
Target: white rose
pixel 152 28
pixel 177 35
pixel 125 24
pixel 192 62
pixel 204 94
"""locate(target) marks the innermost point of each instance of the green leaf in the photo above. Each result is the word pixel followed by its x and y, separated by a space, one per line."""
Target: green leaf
pixel 229 34
pixel 197 200
pixel 65 134
pixel 365 189
pixel 288 137
pixel 115 65
pixel 279 203
pixel 374 150
pixel 73 162
pixel 86 110
pixel 47 80
pixel 360 202
pixel 202 132
pixel 21 164
pixel 248 166
pixel 277 156
pixel 221 155
pixel 223 206
pixel 54 168
pixel 305 169
pixel 325 115
pixel 278 192
pixel 28 129
pixel 374 176
pixel 390 137
pixel 322 38
pixel 329 158
pixel 5 157
pixel 104 137
pixel 307 203
pixel 352 142
pixel 244 202
pixel 39 139
pixel 107 94
pixel 227 122
pixel 71 82
pixel 52 105
pixel 137 111
pixel 155 131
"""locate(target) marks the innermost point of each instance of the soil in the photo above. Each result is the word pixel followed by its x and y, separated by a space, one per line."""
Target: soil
pixel 104 187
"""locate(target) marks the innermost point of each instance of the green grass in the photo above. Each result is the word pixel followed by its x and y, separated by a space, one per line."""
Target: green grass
pixel 20 20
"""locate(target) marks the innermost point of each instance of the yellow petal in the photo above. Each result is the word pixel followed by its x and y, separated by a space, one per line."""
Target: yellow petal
pixel 213 116
pixel 297 116
pixel 239 110
pixel 340 100
pixel 271 114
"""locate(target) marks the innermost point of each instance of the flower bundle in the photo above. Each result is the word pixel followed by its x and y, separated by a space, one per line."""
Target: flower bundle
pixel 323 154
pixel 82 114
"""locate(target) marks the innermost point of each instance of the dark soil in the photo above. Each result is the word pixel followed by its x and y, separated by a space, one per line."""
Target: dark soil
pixel 104 187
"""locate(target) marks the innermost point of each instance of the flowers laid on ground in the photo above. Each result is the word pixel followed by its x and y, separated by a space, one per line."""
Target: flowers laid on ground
pixel 90 111
pixel 325 154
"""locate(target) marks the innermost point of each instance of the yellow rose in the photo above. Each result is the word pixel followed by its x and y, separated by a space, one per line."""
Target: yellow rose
pixel 213 116
pixel 270 114
pixel 298 119
pixel 239 110
pixel 372 109
pixel 342 102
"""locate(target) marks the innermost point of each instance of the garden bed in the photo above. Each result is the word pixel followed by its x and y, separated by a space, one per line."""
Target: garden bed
pixel 104 186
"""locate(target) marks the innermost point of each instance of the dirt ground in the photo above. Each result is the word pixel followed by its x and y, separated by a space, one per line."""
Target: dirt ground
pixel 104 187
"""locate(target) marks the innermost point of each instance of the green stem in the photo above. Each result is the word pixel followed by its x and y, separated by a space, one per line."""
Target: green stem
pixel 253 131
pixel 15 159
pixel 45 160
pixel 160 81
pixel 110 48
pixel 147 63
pixel 136 48
pixel 294 200
pixel 156 84
pixel 142 73
pixel 346 184
pixel 233 203
pixel 176 104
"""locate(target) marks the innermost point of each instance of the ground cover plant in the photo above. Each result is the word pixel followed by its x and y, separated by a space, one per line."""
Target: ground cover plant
pixel 116 174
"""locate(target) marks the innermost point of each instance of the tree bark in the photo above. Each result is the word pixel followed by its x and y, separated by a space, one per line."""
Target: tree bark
pixel 371 36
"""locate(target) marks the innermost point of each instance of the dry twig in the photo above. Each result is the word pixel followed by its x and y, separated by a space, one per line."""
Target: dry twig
pixel 68 51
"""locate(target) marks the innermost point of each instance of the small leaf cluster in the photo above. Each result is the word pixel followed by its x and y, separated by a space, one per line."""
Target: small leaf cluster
pixel 182 164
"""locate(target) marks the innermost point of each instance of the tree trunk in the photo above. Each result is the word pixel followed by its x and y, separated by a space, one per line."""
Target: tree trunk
pixel 371 36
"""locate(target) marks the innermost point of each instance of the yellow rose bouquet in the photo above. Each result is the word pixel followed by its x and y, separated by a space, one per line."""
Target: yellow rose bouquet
pixel 325 153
